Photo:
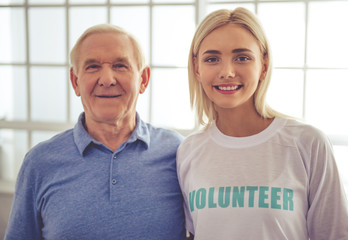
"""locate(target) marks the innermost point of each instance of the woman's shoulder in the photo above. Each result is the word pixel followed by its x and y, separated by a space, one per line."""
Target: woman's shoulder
pixel 304 136
pixel 304 130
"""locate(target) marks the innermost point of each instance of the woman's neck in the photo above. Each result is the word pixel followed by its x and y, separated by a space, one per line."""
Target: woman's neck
pixel 241 122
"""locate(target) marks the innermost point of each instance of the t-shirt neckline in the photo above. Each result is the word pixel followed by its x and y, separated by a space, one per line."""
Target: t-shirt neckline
pixel 242 142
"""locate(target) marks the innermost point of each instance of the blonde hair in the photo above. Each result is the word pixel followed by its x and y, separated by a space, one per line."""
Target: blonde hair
pixel 106 28
pixel 247 20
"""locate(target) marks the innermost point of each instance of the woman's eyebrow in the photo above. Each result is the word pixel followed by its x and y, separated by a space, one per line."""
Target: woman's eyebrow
pixel 211 52
pixel 239 50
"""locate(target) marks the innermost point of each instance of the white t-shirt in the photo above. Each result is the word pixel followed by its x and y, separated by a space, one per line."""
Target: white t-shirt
pixel 282 183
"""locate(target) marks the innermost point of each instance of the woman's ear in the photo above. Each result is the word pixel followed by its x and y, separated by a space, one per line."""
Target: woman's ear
pixel 74 82
pixel 196 68
pixel 145 79
pixel 265 65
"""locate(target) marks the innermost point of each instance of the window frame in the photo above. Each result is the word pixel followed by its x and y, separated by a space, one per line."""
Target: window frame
pixel 200 11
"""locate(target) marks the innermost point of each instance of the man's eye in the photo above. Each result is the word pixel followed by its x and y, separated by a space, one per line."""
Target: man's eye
pixel 122 67
pixel 92 67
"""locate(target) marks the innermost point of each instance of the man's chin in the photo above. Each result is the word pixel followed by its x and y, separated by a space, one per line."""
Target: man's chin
pixel 111 116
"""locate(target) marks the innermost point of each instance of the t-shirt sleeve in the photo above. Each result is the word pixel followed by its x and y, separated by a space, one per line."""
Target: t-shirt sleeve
pixel 181 154
pixel 328 212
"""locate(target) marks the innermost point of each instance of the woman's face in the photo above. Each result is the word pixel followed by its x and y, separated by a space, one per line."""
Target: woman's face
pixel 229 66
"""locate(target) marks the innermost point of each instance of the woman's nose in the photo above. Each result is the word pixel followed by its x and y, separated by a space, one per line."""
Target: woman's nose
pixel 227 71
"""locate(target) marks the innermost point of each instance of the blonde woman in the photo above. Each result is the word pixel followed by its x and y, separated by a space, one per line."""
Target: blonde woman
pixel 252 173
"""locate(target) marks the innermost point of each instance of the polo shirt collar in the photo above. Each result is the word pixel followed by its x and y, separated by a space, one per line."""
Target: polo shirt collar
pixel 83 139
pixel 141 132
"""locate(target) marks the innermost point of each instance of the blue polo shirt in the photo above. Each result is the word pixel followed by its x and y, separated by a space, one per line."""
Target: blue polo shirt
pixel 74 187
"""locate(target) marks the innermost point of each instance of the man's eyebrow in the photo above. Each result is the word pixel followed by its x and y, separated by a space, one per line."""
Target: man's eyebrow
pixel 90 61
pixel 119 59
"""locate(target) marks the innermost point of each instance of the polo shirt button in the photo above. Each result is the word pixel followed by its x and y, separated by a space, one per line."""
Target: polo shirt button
pixel 113 181
pixel 115 157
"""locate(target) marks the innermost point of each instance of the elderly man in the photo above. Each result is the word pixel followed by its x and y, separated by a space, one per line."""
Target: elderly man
pixel 112 176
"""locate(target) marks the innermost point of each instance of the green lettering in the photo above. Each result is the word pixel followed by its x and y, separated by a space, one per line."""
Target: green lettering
pixel 251 195
pixel 191 200
pixel 275 198
pixel 262 197
pixel 238 196
pixel 288 202
pixel 227 192
pixel 201 198
pixel 211 198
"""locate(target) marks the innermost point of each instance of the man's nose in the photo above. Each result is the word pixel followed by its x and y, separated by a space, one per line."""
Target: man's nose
pixel 107 77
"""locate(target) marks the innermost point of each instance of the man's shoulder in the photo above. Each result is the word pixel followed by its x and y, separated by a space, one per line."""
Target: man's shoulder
pixel 46 156
pixel 57 144
pixel 164 133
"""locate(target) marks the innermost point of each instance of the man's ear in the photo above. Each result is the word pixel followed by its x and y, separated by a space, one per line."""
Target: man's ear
pixel 145 79
pixel 74 82
pixel 196 69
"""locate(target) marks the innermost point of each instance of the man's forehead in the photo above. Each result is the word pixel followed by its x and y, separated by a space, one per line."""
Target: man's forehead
pixel 101 39
pixel 111 45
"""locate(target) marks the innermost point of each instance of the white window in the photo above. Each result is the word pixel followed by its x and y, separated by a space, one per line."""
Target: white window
pixel 308 38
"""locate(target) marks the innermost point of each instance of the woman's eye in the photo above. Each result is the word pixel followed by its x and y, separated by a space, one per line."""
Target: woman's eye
pixel 211 60
pixel 243 59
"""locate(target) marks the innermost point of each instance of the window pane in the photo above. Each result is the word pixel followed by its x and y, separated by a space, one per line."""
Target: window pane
pixel 129 1
pixel 13 92
pixel 213 7
pixel 46 1
pixel 174 1
pixel 143 105
pixel 341 153
pixel 48 94
pixel 326 100
pixel 87 1
pixel 47 36
pixel 136 21
pixel 40 136
pixel 81 18
pixel 12 43
pixel 172 35
pixel 170 99
pixel 227 0
pixel 285 92
pixel 13 146
pixel 75 106
pixel 5 2
pixel 327 34
pixel 287 33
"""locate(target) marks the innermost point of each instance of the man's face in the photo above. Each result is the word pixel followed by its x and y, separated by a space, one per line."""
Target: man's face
pixel 108 79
